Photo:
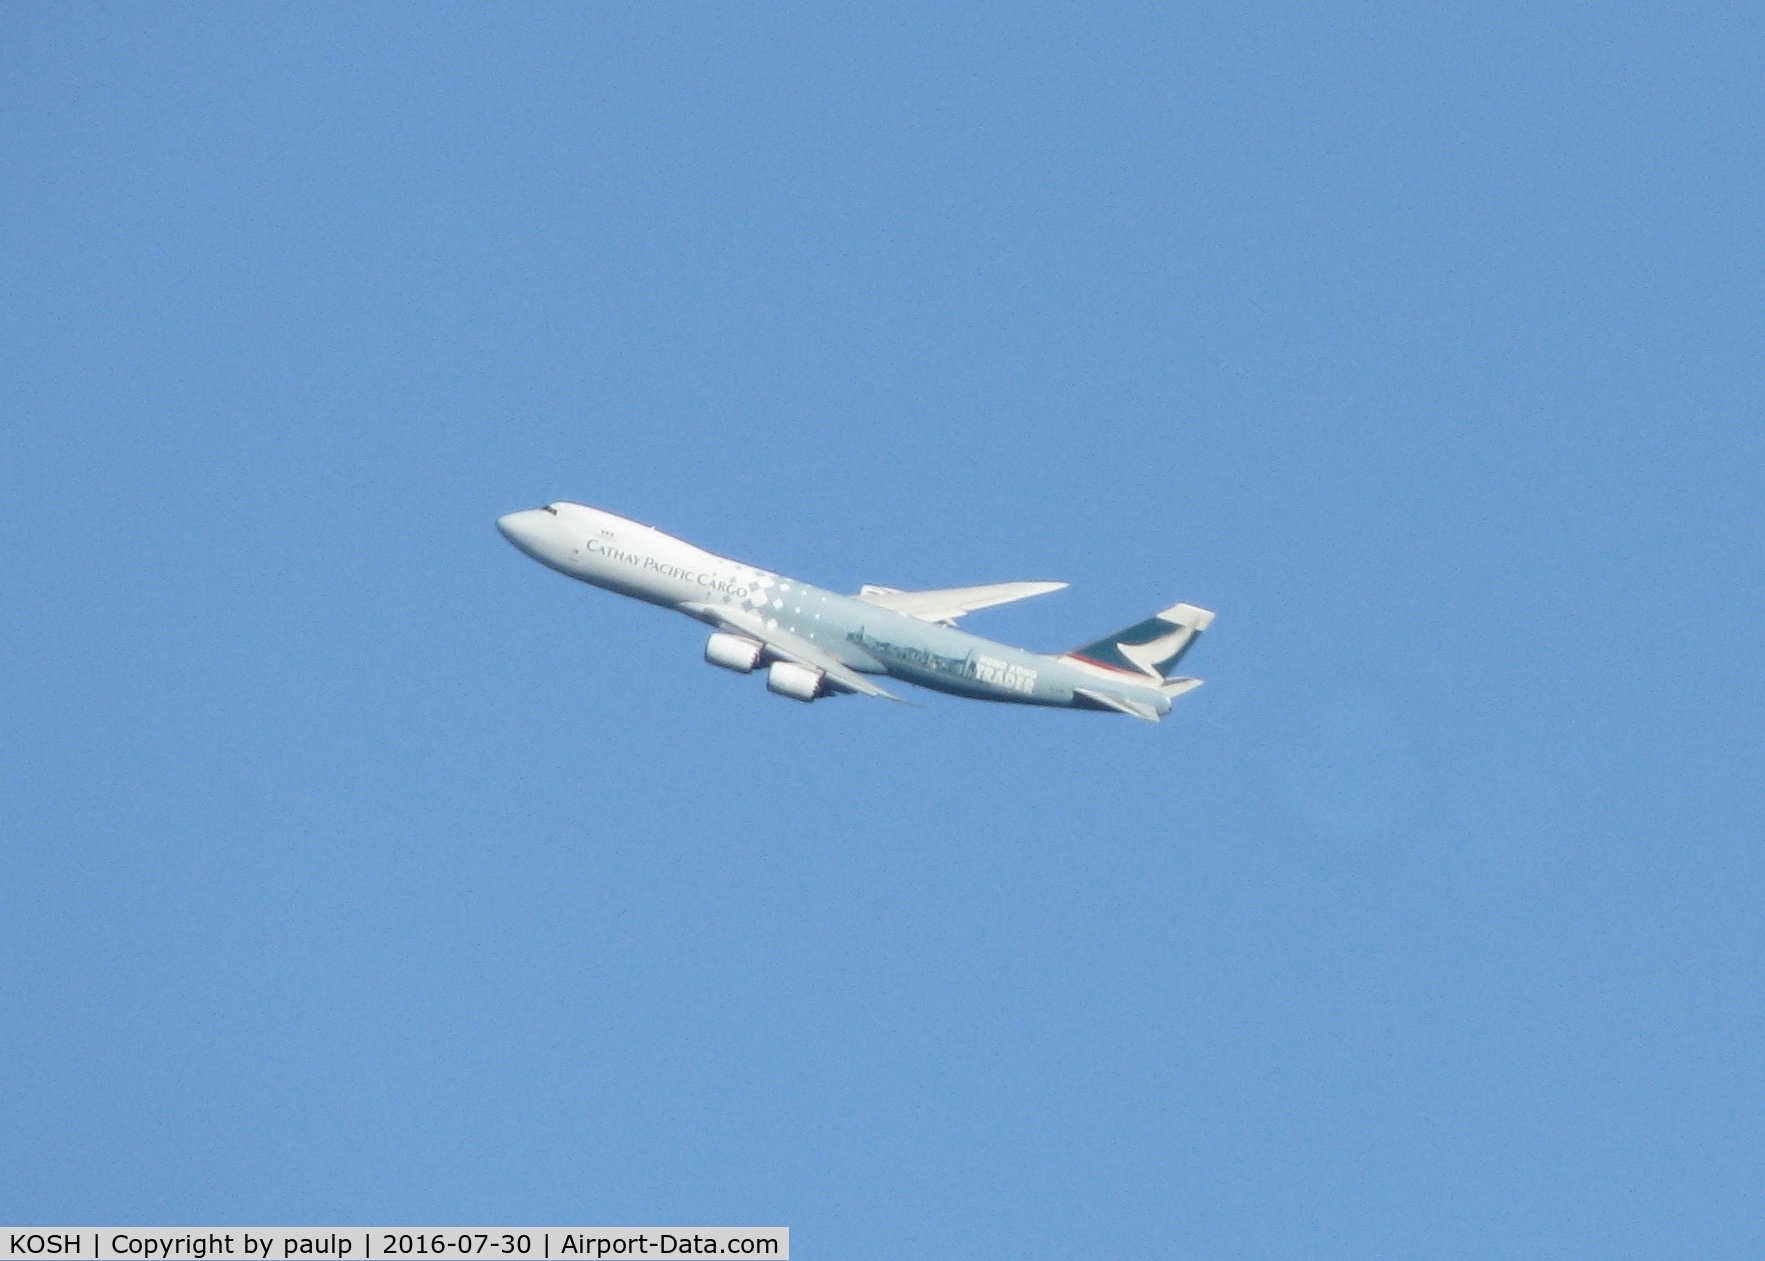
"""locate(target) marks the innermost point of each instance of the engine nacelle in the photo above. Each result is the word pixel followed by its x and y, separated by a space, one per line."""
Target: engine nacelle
pixel 732 652
pixel 787 678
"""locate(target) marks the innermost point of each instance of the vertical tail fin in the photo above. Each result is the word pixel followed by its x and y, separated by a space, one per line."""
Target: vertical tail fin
pixel 1149 649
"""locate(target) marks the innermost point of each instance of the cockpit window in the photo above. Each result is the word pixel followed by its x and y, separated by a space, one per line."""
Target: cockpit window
pixel 552 508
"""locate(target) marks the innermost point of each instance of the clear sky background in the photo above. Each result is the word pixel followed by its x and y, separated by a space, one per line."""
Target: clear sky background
pixel 356 869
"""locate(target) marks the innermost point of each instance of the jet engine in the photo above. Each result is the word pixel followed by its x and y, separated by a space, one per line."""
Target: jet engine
pixel 732 652
pixel 787 678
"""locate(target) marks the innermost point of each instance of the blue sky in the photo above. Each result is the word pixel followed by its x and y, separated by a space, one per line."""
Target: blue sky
pixel 355 869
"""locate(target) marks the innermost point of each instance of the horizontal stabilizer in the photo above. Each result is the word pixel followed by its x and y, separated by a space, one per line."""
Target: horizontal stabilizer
pixel 951 603
pixel 1120 704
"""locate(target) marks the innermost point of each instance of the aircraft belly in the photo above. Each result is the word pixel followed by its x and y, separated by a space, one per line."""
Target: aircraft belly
pixel 626 581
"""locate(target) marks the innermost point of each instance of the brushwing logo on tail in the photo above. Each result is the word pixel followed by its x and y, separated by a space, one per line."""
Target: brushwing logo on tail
pixel 1149 656
pixel 1145 647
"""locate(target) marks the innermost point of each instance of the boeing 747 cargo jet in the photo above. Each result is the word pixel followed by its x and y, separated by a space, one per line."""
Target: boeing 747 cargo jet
pixel 817 643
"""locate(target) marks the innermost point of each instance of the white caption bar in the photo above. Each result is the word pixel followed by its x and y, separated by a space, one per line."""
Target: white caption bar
pixel 390 1243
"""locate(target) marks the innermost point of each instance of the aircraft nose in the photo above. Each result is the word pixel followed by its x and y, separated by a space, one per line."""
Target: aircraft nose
pixel 522 528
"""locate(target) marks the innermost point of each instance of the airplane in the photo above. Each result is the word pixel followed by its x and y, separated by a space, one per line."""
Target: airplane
pixel 815 643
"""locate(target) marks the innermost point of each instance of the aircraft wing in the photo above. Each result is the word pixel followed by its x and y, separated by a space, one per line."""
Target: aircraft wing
pixel 951 603
pixel 783 643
